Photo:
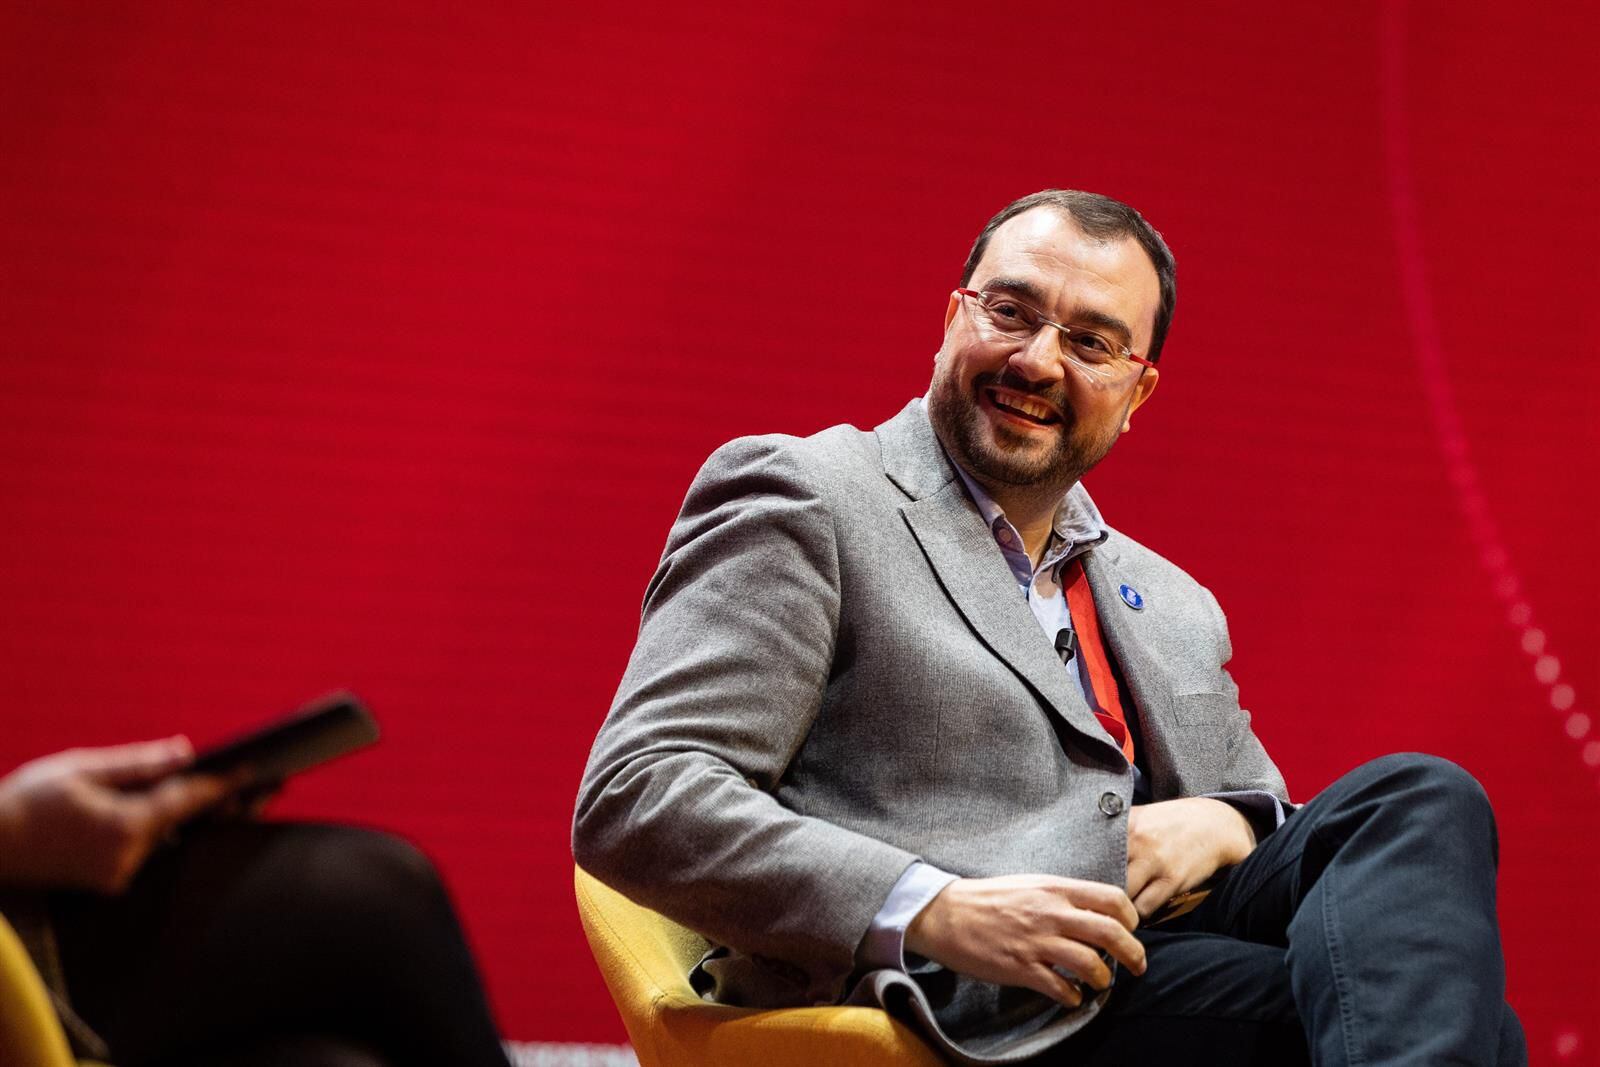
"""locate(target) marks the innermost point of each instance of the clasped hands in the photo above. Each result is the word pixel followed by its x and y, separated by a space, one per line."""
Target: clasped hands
pixel 87 818
pixel 1048 934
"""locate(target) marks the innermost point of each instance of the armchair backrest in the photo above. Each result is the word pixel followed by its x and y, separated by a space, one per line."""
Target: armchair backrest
pixel 30 1034
pixel 643 955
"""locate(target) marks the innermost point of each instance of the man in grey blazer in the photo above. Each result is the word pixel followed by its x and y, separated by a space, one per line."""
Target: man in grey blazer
pixel 907 723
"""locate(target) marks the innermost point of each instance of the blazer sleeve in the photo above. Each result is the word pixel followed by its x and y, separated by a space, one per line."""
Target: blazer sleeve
pixel 1248 768
pixel 729 672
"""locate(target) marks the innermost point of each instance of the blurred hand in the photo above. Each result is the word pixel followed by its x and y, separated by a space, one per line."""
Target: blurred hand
pixel 1016 929
pixel 1175 845
pixel 87 818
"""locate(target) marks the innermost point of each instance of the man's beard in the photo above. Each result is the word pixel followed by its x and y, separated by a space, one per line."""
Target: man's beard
pixel 956 417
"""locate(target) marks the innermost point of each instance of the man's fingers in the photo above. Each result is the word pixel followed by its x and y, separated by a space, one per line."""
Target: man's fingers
pixel 1100 931
pixel 139 763
pixel 1042 979
pixel 1102 898
pixel 1151 898
pixel 1039 931
pixel 1140 874
pixel 1080 959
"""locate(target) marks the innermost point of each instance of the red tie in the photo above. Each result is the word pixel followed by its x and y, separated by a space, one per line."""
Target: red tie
pixel 1086 624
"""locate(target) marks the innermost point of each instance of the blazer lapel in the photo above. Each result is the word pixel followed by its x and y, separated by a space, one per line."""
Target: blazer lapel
pixel 962 552
pixel 1149 681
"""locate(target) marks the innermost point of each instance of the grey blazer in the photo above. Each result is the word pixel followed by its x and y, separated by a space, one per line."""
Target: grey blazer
pixel 835 675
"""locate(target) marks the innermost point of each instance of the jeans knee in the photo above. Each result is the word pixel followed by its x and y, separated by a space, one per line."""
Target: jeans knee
pixel 1422 782
pixel 1513 1040
pixel 1432 774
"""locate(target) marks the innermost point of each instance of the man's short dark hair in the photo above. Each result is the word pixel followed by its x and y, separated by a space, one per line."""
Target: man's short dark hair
pixel 1102 219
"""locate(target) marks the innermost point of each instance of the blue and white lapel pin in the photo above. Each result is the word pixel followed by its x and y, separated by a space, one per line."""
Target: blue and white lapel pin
pixel 1131 597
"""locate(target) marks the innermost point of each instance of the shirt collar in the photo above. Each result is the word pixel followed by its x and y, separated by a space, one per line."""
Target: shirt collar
pixel 1076 527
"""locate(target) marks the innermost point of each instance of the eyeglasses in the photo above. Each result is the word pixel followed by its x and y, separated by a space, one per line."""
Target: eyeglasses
pixel 1015 320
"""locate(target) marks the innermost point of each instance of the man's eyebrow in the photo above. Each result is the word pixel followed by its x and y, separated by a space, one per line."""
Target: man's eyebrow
pixel 1018 287
pixel 1103 323
pixel 1100 321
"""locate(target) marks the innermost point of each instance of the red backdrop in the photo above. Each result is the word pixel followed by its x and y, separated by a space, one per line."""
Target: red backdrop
pixel 375 346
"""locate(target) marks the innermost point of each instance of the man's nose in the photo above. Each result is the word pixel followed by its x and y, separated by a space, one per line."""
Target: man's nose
pixel 1039 360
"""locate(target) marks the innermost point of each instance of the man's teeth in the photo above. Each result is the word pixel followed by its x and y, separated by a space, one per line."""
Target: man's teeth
pixel 1031 408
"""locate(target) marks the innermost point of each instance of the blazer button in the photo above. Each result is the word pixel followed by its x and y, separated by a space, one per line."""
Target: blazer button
pixel 1111 803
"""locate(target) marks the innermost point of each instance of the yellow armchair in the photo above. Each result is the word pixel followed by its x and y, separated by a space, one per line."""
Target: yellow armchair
pixel 645 959
pixel 30 1034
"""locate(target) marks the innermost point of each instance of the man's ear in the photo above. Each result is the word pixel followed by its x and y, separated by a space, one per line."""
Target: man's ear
pixel 950 309
pixel 1141 392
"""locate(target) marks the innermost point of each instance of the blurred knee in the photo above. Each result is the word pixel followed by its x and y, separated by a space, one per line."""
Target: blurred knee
pixel 392 863
pixel 368 876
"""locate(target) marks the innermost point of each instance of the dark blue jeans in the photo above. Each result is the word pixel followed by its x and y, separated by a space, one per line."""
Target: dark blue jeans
pixel 1361 932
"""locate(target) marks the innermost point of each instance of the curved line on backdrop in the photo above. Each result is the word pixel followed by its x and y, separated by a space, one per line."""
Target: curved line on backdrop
pixel 1429 350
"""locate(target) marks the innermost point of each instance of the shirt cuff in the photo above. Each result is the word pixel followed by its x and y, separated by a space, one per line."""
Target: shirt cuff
pixel 885 942
pixel 1263 811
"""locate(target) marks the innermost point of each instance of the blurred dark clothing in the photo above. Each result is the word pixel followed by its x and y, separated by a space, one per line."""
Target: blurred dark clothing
pixel 254 942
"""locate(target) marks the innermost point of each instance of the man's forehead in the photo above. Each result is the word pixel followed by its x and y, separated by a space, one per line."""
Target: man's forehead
pixel 1046 233
pixel 1048 248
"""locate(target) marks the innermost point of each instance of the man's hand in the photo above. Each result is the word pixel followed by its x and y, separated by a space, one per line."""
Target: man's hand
pixel 87 818
pixel 1175 845
pixel 1015 930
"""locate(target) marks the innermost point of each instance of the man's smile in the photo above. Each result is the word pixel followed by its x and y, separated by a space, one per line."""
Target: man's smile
pixel 1019 407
